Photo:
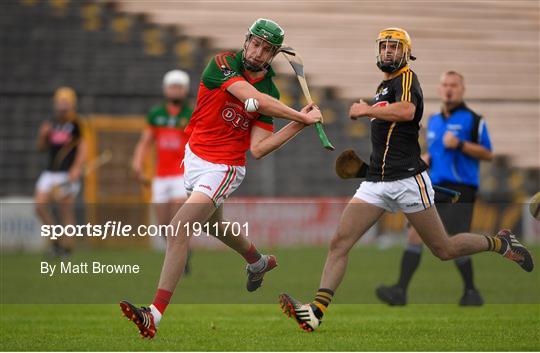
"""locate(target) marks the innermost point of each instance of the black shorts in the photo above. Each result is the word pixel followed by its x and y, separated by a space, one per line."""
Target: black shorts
pixel 457 217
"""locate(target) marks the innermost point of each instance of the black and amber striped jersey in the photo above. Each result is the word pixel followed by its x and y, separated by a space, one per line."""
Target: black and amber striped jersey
pixel 63 140
pixel 396 151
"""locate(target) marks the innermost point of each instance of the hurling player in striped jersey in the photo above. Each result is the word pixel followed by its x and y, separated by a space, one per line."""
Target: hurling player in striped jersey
pixel 396 180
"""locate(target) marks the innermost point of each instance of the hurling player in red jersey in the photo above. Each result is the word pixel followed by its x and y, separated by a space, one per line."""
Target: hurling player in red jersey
pixel 221 132
pixel 165 128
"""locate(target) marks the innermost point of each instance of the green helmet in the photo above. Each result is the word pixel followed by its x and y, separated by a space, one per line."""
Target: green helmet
pixel 268 30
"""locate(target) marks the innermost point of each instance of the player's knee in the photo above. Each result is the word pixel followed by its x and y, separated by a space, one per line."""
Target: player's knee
pixel 66 204
pixel 444 253
pixel 177 241
pixel 40 207
pixel 339 244
pixel 175 236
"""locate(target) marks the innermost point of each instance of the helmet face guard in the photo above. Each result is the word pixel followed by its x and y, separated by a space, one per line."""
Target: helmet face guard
pixel 248 45
pixel 270 33
pixel 396 62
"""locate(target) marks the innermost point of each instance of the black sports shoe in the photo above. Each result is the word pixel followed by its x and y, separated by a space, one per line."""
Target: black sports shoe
pixel 142 317
pixel 254 279
pixel 516 252
pixel 391 295
pixel 471 297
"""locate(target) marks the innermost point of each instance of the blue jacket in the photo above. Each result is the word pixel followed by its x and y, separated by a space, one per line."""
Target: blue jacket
pixel 452 165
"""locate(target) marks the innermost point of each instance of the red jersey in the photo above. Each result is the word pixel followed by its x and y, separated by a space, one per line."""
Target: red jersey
pixel 168 130
pixel 220 128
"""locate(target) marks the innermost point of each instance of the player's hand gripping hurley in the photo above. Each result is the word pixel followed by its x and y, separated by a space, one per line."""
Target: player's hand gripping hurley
pixel 64 189
pixel 297 64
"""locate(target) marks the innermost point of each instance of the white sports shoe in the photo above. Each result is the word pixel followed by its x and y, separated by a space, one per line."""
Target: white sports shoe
pixel 302 313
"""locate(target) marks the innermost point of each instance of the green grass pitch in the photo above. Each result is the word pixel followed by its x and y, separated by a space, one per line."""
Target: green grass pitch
pixel 213 312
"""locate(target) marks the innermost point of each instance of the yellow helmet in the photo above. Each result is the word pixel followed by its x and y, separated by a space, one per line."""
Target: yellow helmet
pixel 66 93
pixel 399 35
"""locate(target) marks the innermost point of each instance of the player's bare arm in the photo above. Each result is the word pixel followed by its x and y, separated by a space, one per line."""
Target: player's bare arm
pixel 270 106
pixel 471 149
pixel 395 112
pixel 44 130
pixel 264 142
pixel 426 157
pixel 145 141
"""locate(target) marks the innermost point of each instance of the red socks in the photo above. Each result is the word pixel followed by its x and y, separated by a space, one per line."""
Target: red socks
pixel 163 297
pixel 252 255
pixel 161 300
